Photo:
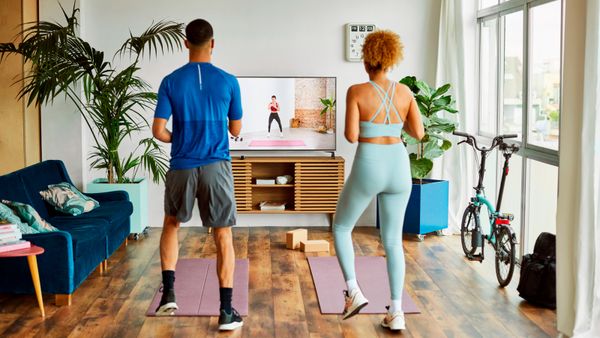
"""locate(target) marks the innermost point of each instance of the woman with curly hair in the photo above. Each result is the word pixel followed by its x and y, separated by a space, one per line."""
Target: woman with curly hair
pixel 376 113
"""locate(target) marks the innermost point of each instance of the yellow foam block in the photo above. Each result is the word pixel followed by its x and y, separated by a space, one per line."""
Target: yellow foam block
pixel 314 245
pixel 294 237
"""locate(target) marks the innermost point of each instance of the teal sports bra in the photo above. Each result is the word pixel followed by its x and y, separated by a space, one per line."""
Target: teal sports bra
pixel 368 129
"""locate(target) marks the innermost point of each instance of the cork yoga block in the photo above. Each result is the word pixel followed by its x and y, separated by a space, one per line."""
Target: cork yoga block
pixel 294 237
pixel 314 246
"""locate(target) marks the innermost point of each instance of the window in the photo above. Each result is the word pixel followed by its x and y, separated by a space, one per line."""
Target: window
pixel 487 3
pixel 519 93
pixel 512 86
pixel 543 198
pixel 488 77
pixel 544 75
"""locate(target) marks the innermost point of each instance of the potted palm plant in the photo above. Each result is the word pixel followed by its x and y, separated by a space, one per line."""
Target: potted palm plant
pixel 328 107
pixel 111 100
pixel 427 209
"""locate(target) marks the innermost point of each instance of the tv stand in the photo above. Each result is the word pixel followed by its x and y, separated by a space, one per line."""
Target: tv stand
pixel 317 183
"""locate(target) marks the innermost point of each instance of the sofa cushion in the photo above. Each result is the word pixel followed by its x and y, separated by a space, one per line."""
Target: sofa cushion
pixel 7 214
pixel 28 214
pixel 114 212
pixel 37 178
pixel 65 198
pixel 87 234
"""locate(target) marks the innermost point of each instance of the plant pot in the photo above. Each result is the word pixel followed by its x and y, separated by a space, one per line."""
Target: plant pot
pixel 138 195
pixel 427 209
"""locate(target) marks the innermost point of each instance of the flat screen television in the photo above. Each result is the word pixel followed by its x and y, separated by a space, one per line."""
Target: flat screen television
pixel 286 113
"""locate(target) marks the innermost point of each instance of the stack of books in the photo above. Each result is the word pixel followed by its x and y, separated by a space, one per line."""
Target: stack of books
pixel 10 238
pixel 265 181
pixel 268 205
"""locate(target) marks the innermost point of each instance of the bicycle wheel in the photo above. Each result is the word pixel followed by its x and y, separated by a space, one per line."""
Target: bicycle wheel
pixel 505 256
pixel 467 227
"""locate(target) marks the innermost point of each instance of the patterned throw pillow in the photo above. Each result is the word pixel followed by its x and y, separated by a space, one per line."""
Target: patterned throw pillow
pixel 7 214
pixel 67 199
pixel 28 214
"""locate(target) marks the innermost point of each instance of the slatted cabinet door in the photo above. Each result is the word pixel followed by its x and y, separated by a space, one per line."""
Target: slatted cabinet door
pixel 242 180
pixel 318 185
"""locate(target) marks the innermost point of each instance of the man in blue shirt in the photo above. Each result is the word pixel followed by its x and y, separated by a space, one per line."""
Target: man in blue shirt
pixel 204 103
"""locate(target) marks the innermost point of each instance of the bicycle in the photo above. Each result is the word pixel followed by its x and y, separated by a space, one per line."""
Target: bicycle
pixel 501 236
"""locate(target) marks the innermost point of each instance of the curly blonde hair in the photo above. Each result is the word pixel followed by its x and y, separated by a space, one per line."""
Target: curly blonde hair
pixel 382 50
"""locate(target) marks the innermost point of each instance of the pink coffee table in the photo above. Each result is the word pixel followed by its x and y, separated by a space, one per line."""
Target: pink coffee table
pixel 31 254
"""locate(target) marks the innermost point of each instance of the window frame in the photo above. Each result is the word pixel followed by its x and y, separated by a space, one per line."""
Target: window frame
pixel 528 150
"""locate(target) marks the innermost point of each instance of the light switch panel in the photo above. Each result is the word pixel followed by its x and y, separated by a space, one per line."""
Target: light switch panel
pixel 355 38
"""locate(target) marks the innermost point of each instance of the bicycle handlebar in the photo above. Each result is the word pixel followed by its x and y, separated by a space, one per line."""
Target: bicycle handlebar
pixel 498 140
pixel 458 133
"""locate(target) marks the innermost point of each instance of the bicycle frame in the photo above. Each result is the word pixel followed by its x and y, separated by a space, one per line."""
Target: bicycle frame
pixel 480 199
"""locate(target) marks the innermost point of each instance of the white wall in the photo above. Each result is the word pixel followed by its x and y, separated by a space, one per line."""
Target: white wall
pixel 256 96
pixel 260 37
pixel 63 133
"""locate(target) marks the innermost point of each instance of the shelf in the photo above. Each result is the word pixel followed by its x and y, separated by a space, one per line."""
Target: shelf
pixel 256 211
pixel 317 184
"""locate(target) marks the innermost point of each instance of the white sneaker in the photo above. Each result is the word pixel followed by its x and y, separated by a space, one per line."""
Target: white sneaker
pixel 280 135
pixel 269 135
pixel 355 301
pixel 394 321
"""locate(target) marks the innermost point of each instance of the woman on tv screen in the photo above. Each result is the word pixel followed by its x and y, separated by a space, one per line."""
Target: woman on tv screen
pixel 274 115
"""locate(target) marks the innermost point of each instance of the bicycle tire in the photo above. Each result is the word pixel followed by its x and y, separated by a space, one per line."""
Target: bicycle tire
pixel 505 255
pixel 467 227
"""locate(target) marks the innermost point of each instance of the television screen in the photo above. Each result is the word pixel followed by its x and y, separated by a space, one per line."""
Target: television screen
pixel 287 113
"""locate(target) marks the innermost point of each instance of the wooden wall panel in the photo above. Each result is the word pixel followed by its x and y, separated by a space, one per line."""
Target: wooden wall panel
pixel 20 127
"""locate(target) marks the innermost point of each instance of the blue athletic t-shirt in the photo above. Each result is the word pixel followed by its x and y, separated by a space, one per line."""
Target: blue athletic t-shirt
pixel 201 98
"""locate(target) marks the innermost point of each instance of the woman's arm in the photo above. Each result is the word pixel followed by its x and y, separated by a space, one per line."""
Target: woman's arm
pixel 413 124
pixel 352 116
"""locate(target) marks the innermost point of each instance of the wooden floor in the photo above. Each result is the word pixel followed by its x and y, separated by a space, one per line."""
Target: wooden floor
pixel 457 298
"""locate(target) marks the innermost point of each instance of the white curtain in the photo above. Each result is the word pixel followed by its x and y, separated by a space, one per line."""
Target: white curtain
pixel 456 57
pixel 587 247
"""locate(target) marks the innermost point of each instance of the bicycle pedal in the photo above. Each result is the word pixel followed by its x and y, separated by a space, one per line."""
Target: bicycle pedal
pixel 478 258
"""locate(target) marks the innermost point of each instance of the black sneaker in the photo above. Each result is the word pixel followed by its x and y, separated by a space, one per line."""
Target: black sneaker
pixel 167 305
pixel 230 321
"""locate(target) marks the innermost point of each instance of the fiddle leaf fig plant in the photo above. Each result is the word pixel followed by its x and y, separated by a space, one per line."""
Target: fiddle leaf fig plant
pixel 431 101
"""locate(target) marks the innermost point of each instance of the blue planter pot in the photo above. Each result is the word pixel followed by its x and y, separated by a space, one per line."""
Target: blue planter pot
pixel 138 195
pixel 427 209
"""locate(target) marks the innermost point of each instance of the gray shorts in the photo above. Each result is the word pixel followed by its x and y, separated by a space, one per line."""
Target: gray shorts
pixel 211 184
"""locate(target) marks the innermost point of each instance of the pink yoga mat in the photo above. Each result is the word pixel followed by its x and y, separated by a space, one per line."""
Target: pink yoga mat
pixel 371 273
pixel 277 143
pixel 197 288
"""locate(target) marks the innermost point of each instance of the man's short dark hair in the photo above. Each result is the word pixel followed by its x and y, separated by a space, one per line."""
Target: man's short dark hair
pixel 273 97
pixel 198 32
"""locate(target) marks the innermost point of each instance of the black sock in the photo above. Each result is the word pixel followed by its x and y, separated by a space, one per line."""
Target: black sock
pixel 225 295
pixel 168 279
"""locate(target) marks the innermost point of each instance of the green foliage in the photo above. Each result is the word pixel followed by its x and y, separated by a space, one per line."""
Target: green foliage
pixel 328 106
pixel 113 100
pixel 430 101
pixel 554 116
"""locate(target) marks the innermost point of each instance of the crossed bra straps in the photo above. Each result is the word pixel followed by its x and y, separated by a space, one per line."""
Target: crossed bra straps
pixel 369 129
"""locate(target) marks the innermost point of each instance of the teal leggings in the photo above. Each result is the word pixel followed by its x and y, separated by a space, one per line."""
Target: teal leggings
pixel 382 171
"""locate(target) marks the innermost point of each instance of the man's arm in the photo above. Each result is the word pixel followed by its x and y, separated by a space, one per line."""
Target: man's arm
pixel 160 131
pixel 235 127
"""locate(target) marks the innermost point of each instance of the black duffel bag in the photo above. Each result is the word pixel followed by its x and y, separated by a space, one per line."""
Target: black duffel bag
pixel 537 284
